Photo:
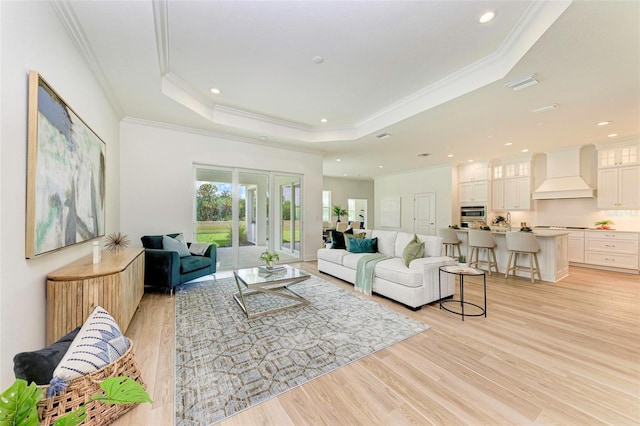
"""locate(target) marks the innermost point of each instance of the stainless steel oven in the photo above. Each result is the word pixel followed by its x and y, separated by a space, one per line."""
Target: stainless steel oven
pixel 470 214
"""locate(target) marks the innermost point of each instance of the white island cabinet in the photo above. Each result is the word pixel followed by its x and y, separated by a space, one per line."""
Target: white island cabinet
pixel 553 256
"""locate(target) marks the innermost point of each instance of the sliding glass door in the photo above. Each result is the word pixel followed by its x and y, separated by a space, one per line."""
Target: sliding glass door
pixel 233 209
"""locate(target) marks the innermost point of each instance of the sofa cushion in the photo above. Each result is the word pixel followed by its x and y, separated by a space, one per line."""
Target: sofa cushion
pixel 176 244
pixel 402 239
pixel 333 256
pixel 413 250
pixel 386 241
pixel 193 263
pixel 337 240
pixel 432 245
pixel 362 245
pixel 394 270
pixel 351 260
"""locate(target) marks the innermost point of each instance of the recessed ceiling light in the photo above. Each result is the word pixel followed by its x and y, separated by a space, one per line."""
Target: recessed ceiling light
pixel 215 90
pixel 508 144
pixel 263 138
pixel 450 155
pixel 383 136
pixel 525 150
pixel 470 161
pixel 338 159
pixel 612 135
pixel 603 123
pixel 381 167
pixel 318 59
pixel 323 120
pixel 345 174
pixel 486 17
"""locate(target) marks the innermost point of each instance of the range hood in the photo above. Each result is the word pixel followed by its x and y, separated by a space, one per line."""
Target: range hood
pixel 564 178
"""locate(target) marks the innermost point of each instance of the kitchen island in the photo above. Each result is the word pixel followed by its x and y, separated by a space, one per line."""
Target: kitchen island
pixel 553 256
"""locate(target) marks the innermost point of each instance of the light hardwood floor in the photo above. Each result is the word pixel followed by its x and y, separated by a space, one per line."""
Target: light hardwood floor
pixel 564 353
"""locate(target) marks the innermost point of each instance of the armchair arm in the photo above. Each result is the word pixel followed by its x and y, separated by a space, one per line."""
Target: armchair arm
pixel 161 268
pixel 212 252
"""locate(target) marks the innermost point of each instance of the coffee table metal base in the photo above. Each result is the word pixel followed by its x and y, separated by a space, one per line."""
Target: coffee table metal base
pixel 276 288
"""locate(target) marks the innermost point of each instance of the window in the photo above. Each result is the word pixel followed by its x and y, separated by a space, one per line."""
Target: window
pixel 326 206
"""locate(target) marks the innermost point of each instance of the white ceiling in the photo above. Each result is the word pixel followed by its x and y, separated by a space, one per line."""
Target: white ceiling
pixel 425 72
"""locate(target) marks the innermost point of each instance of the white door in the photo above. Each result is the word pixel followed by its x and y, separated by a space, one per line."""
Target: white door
pixel 424 213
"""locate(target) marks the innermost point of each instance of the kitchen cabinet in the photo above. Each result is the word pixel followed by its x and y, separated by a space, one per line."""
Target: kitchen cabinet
pixel 576 246
pixel 619 187
pixel 611 249
pixel 473 172
pixel 476 192
pixel 511 194
pixel 619 155
pixel 619 175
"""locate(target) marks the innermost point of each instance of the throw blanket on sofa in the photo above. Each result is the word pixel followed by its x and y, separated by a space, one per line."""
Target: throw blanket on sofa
pixel 198 249
pixel 365 272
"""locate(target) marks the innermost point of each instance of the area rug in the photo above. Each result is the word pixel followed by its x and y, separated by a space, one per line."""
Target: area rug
pixel 226 363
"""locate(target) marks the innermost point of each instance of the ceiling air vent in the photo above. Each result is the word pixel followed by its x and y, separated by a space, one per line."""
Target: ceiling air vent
pixel 424 154
pixel 545 108
pixel 383 136
pixel 523 83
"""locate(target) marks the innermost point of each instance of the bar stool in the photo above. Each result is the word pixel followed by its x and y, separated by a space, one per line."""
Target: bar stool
pixel 479 240
pixel 523 243
pixel 450 240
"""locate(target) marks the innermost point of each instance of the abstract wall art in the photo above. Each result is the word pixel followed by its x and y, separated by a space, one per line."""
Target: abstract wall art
pixel 65 174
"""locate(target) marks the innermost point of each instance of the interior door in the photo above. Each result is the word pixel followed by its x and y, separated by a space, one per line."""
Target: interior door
pixel 424 217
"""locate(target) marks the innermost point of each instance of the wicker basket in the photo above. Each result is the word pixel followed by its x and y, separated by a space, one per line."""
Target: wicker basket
pixel 81 389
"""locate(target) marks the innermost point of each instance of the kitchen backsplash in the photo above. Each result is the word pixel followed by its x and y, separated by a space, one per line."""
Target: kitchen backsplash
pixel 573 212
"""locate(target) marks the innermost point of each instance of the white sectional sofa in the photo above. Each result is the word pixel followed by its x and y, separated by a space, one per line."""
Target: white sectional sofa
pixel 413 286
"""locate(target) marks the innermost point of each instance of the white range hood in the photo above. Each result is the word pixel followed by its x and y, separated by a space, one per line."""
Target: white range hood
pixel 564 178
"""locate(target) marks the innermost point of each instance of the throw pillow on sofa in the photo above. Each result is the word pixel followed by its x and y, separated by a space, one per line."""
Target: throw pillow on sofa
pixel 337 240
pixel 362 245
pixel 413 250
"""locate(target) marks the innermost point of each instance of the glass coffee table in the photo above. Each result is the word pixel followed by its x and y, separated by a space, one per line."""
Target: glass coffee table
pixel 251 281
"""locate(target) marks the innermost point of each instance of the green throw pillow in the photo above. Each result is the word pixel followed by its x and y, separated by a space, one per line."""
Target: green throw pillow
pixel 413 250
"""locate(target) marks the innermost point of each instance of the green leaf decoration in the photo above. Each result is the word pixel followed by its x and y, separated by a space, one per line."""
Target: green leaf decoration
pixel 122 390
pixel 74 418
pixel 18 404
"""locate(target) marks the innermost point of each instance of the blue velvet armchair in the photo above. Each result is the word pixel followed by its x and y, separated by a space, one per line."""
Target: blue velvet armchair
pixel 166 269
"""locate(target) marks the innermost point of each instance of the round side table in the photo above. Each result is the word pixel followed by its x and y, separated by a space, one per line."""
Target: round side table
pixel 461 272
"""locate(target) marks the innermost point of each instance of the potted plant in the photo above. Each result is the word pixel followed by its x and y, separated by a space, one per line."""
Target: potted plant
pixel 339 212
pixel 462 260
pixel 268 257
pixel 604 224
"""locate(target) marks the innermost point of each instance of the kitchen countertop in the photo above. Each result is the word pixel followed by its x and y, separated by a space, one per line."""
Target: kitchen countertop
pixel 537 232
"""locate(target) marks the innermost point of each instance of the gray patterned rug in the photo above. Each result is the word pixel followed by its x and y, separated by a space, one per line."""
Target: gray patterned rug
pixel 226 363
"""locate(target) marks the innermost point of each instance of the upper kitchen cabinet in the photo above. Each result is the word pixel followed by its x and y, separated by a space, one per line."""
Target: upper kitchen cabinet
pixel 473 183
pixel 619 175
pixel 511 185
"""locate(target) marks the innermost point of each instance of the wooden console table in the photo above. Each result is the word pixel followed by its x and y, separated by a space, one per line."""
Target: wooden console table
pixel 73 291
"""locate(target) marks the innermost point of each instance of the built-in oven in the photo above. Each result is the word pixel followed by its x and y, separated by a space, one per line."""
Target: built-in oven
pixel 471 214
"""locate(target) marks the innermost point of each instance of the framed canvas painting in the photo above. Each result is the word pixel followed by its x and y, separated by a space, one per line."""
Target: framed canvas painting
pixel 65 174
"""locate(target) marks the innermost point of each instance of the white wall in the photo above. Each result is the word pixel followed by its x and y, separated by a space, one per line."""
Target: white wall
pixel 436 179
pixel 156 165
pixel 32 38
pixel 342 189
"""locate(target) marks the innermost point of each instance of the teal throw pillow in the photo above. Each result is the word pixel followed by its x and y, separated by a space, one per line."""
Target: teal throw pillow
pixel 176 244
pixel 413 250
pixel 362 245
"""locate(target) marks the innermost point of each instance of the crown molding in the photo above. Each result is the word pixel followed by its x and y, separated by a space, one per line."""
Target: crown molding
pixel 68 18
pixel 533 24
pixel 218 135
pixel 161 20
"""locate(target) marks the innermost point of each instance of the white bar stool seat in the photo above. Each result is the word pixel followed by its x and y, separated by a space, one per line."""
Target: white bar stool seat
pixel 482 240
pixel 523 243
pixel 450 240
